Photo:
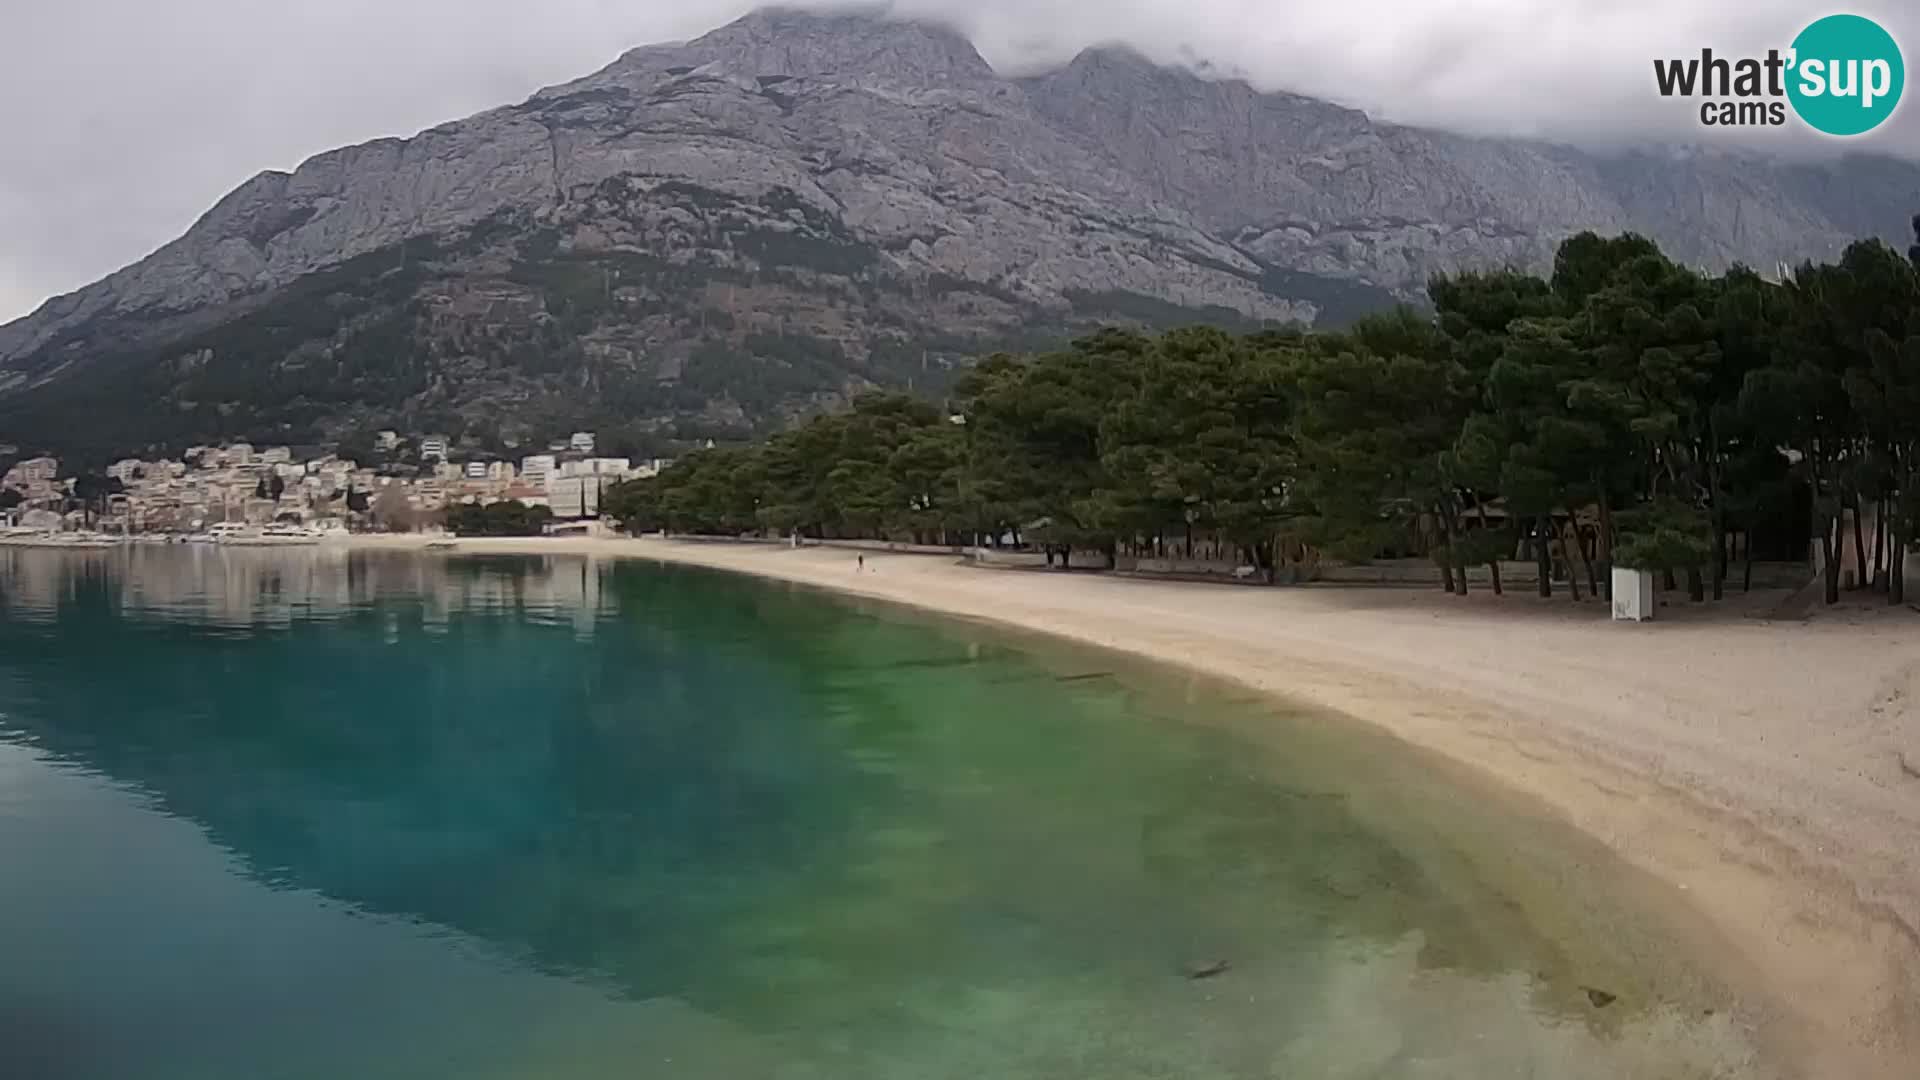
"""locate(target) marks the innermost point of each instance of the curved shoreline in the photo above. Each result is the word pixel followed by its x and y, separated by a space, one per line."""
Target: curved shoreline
pixel 1755 768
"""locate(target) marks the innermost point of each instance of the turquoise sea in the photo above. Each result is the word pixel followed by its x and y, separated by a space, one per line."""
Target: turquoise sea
pixel 312 814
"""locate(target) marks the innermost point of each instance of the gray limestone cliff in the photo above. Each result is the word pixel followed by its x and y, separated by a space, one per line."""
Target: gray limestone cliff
pixel 711 236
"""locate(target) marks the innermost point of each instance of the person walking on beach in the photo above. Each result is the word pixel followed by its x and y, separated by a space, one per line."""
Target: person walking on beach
pixel 859 564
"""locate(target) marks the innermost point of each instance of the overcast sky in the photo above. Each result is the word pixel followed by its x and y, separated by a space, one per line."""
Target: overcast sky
pixel 121 121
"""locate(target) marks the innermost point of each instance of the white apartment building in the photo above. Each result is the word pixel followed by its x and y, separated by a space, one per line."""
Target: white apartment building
pixel 434 446
pixel 574 496
pixel 25 473
pixel 125 470
pixel 582 442
pixel 476 470
pixel 537 469
pixel 613 469
pixel 430 494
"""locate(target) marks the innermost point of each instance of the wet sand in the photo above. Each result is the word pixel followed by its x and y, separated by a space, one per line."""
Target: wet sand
pixel 1766 772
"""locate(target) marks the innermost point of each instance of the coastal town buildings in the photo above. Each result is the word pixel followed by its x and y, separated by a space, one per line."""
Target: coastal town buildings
pixel 259 485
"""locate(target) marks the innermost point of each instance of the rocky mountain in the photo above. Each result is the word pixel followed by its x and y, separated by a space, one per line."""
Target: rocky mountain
pixel 708 238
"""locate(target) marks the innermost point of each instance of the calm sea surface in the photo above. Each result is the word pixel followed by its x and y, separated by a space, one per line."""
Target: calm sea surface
pixel 316 815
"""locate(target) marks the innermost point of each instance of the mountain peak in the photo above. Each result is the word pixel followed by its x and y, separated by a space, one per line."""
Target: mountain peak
pixel 1122 63
pixel 869 41
pixel 1114 55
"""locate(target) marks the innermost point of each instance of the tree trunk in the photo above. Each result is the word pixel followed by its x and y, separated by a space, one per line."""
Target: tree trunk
pixel 1603 544
pixel 1746 553
pixel 1831 567
pixel 1493 564
pixel 1881 567
pixel 1542 557
pixel 1593 581
pixel 1696 587
pixel 1859 545
pixel 1573 582
pixel 1266 557
pixel 1667 584
pixel 1897 570
pixel 1586 560
pixel 1455 570
pixel 1719 556
pixel 1718 510
pixel 1896 536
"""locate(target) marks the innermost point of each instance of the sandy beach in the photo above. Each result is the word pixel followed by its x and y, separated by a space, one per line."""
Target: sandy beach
pixel 1768 772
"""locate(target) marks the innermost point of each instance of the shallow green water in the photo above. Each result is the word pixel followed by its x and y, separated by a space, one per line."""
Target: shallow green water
pixel 307 815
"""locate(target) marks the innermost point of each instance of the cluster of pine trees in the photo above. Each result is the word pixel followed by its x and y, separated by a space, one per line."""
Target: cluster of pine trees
pixel 510 517
pixel 1628 411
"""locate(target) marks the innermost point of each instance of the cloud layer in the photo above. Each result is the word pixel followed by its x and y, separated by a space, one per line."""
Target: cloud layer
pixel 126 119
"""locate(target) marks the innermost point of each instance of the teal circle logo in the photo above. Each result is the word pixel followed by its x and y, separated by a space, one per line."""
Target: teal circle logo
pixel 1846 75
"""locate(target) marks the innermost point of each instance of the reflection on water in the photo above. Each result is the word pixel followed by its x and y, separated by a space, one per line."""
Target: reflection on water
pixel 311 814
pixel 257 588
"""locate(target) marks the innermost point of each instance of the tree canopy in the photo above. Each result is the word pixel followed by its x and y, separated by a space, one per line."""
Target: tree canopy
pixel 1624 409
pixel 509 517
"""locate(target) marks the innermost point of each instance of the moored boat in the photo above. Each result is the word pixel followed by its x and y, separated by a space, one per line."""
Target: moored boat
pixel 277 535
